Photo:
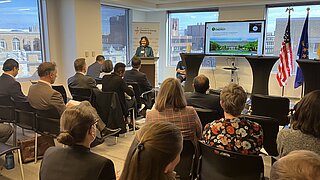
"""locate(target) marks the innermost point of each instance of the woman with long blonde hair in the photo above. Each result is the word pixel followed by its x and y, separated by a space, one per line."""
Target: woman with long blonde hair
pixel 154 153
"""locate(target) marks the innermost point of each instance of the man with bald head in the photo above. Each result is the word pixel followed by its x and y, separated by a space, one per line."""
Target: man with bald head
pixel 200 99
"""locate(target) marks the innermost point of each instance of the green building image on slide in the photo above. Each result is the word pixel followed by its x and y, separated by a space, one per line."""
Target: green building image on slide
pixel 233 46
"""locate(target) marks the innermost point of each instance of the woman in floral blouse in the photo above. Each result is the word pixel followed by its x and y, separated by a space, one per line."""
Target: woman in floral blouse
pixel 234 133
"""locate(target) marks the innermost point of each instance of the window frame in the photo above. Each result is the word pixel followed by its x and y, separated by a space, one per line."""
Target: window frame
pixel 127 13
pixel 168 43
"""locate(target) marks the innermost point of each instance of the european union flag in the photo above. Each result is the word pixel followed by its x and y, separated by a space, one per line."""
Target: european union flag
pixel 303 51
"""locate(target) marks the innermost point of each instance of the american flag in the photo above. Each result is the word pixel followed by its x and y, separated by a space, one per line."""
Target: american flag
pixel 285 65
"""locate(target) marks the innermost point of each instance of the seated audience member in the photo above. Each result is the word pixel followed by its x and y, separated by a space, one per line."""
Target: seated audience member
pixel 134 75
pixel 181 71
pixel 12 89
pixel 154 153
pixel 9 86
pixel 200 99
pixel 297 165
pixel 41 96
pixel 80 80
pixel 106 68
pixel 115 83
pixel 171 106
pixel 78 131
pixel 233 132
pixel 95 68
pixel 304 133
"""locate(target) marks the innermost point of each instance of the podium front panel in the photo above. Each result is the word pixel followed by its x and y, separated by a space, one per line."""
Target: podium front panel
pixel 149 70
pixel 311 73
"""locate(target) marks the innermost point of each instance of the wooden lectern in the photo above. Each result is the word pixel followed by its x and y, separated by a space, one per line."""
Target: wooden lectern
pixel 310 70
pixel 148 66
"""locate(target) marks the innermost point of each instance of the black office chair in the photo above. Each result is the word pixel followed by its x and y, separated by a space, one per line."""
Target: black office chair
pixel 62 91
pixel 81 94
pixel 137 92
pixel 270 129
pixel 146 98
pixel 6 109
pixel 185 168
pixel 47 124
pixel 220 164
pixel 25 115
pixel 207 115
pixel 98 80
pixel 271 106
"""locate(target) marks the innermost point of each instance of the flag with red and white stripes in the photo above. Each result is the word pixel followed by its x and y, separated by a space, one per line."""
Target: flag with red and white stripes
pixel 285 66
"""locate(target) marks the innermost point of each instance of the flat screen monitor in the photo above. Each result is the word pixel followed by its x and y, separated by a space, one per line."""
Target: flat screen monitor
pixel 234 38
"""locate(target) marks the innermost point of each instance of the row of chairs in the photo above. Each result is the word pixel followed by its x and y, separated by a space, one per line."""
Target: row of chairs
pixel 214 163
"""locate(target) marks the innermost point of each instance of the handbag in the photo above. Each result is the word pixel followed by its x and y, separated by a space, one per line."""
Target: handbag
pixel 27 147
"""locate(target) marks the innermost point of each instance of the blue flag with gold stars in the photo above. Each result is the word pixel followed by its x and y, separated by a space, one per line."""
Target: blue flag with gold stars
pixel 303 51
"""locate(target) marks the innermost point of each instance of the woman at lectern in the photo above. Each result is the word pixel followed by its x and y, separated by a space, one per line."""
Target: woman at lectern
pixel 144 50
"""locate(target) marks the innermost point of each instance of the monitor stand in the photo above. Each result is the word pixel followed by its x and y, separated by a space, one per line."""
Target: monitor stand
pixel 231 61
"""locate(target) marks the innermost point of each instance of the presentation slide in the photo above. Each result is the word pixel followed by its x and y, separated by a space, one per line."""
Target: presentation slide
pixel 236 38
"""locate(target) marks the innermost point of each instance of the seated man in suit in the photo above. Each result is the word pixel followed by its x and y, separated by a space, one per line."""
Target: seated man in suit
pixel 134 75
pixel 80 80
pixel 95 68
pixel 10 88
pixel 42 97
pixel 115 83
pixel 200 99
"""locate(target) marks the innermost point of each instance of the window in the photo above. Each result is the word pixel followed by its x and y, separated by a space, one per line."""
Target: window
pixel 186 29
pixel 115 33
pixel 277 21
pixel 19 25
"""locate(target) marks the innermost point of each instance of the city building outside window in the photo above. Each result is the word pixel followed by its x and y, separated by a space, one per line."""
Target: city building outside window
pixel 186 30
pixel 276 23
pixel 19 26
pixel 115 33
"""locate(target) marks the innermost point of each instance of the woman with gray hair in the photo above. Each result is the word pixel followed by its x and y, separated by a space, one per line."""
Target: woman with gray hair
pixel 234 132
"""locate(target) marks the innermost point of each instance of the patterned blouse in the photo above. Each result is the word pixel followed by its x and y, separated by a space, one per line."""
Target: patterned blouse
pixel 238 135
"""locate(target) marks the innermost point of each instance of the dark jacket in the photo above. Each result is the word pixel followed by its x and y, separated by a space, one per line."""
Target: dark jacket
pixel 205 101
pixel 10 87
pixel 134 75
pixel 115 83
pixel 94 70
pixel 81 81
pixel 75 163
pixel 148 52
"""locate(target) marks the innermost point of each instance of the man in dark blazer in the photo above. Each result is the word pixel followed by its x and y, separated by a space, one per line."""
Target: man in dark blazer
pixel 200 99
pixel 95 68
pixel 42 97
pixel 115 83
pixel 10 88
pixel 134 75
pixel 9 85
pixel 80 80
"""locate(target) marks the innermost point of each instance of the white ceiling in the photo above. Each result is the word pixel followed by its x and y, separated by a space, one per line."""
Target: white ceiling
pixel 158 5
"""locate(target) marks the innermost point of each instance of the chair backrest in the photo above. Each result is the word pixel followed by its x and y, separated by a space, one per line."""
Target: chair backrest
pixel 215 164
pixel 80 94
pixel 270 129
pixel 207 115
pixel 109 109
pixel 137 92
pixel 185 168
pixel 271 106
pixel 62 91
pixel 25 115
pixel 48 122
pixel 98 80
pixel 6 109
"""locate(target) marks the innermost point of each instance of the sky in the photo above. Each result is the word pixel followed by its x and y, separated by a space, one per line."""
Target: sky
pixel 18 14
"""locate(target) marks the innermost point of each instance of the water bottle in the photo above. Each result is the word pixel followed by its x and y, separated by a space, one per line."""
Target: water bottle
pixel 9 161
pixel 127 128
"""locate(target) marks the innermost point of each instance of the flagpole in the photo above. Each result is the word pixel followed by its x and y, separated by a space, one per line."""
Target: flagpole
pixel 282 92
